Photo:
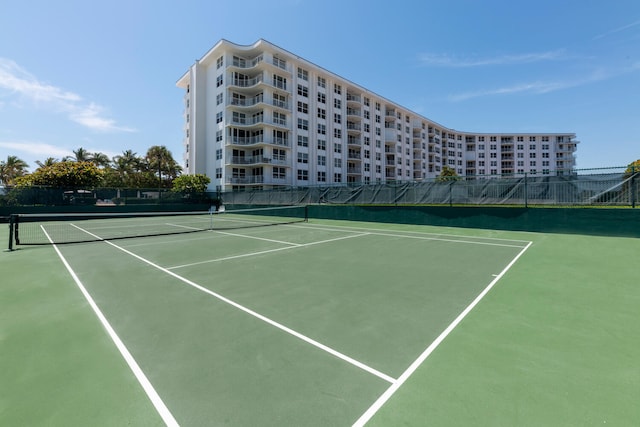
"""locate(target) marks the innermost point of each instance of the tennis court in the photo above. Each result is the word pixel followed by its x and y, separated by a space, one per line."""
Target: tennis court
pixel 320 323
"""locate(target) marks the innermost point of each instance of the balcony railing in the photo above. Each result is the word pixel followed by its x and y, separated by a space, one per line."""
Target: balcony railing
pixel 259 139
pixel 247 82
pixel 254 160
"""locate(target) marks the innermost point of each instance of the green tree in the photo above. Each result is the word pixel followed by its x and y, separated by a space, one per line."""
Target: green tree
pixel 67 174
pixel 159 160
pixel 189 184
pixel 633 167
pixel 11 169
pixel 447 174
pixel 101 160
pixel 47 162
pixel 79 155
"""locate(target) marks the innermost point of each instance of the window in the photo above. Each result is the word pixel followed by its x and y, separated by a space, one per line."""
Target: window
pixel 219 154
pixel 322 113
pixel 322 144
pixel 279 118
pixel 280 63
pixel 279 82
pixel 303 91
pixel 322 98
pixel 337 89
pixel 532 147
pixel 322 82
pixel 337 148
pixel 219 81
pixel 337 163
pixel 279 173
pixel 218 173
pixel 303 158
pixel 303 141
pixel 218 135
pixel 219 117
pixel 322 160
pixel 220 62
pixel 337 133
pixel 219 99
pixel 303 124
pixel 303 74
pixel 322 176
pixel 532 138
pixel 303 175
pixel 337 103
pixel 322 129
pixel 337 177
pixel 337 118
pixel 303 107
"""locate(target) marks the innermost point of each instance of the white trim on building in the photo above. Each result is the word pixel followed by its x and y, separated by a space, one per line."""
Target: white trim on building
pixel 261 117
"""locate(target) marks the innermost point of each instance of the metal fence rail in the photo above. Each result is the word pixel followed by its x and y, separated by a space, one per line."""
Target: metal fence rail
pixel 596 187
pixel 610 187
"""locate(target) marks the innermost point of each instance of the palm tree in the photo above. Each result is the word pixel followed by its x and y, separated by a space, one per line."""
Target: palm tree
pixel 127 165
pixel 79 155
pixel 100 159
pixel 160 159
pixel 12 168
pixel 49 161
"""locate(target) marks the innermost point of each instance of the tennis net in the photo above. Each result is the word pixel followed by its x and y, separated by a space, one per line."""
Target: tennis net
pixel 43 229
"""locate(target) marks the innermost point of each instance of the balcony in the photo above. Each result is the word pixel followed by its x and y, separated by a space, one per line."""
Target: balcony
pixel 257 160
pixel 246 63
pixel 257 140
pixel 257 121
pixel 247 82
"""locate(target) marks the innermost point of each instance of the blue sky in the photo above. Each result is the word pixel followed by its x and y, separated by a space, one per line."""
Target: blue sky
pixel 101 75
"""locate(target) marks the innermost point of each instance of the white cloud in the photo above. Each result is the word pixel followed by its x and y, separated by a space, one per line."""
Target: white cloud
pixel 36 149
pixel 542 87
pixel 16 80
pixel 444 60
pixel 617 30
pixel 90 116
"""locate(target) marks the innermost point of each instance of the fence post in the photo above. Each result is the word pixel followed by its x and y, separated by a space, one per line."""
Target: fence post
pixel 526 195
pixel 633 186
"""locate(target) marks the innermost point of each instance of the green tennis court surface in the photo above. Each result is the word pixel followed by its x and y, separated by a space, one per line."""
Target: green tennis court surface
pixel 323 323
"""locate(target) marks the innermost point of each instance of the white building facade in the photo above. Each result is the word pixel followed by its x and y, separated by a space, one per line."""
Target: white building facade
pixel 260 117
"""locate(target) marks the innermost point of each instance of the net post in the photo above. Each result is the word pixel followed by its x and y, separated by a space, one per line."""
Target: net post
pixel 11 228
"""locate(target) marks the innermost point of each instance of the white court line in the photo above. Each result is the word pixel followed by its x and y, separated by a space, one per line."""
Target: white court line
pixel 162 409
pixel 236 235
pixel 416 364
pixel 253 313
pixel 300 245
pixel 419 235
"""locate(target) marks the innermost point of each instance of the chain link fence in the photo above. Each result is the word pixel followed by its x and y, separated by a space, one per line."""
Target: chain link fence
pixel 593 187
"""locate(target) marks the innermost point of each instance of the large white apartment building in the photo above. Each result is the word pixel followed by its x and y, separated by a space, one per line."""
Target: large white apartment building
pixel 261 117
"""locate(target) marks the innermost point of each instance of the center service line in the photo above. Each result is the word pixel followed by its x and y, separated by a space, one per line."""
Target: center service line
pixel 253 313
